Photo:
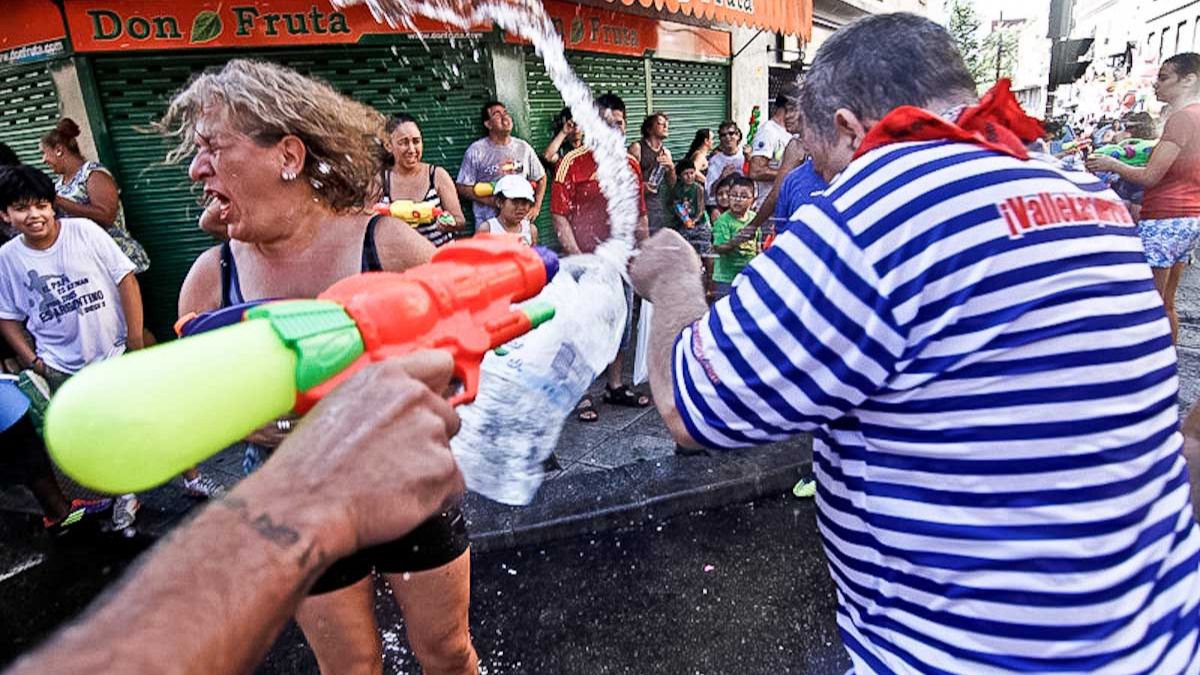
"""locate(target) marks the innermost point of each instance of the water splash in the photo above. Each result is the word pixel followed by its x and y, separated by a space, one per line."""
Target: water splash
pixel 528 19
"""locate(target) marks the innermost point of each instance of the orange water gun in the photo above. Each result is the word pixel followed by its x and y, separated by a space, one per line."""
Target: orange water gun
pixel 285 356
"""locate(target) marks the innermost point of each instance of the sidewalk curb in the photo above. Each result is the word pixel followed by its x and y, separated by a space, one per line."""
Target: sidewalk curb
pixel 635 494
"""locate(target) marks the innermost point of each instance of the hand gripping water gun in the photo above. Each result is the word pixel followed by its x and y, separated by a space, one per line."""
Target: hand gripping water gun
pixel 685 215
pixel 413 213
pixel 1132 151
pixel 134 422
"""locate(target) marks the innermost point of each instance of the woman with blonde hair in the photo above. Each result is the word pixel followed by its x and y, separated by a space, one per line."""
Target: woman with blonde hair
pixel 287 164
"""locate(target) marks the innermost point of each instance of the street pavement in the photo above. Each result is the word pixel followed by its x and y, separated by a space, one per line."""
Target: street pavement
pixel 743 589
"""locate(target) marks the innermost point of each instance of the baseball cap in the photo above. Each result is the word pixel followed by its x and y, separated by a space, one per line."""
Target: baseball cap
pixel 514 186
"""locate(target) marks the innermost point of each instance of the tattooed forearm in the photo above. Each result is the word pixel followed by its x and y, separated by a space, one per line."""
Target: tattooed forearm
pixel 280 534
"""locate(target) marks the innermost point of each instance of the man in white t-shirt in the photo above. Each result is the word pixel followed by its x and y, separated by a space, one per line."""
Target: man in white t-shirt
pixel 63 280
pixel 726 161
pixel 494 156
pixel 766 150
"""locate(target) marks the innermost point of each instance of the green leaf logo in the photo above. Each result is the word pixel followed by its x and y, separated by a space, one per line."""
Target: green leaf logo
pixel 576 30
pixel 207 27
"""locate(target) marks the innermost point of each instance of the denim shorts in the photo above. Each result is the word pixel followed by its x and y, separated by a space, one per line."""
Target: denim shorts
pixel 1169 241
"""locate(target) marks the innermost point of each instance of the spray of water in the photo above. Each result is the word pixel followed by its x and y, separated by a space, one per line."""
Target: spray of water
pixel 528 19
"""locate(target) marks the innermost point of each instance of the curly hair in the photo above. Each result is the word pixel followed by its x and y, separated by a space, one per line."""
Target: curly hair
pixel 266 102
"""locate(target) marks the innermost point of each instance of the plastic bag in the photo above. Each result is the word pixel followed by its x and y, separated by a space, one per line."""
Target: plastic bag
pixel 641 357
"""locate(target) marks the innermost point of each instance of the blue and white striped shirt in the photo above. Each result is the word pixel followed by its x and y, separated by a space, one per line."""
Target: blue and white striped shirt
pixel 977 346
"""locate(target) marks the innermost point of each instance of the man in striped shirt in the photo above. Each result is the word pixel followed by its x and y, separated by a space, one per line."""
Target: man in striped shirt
pixel 974 340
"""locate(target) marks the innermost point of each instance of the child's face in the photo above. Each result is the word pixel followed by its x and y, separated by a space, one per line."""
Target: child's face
pixel 723 197
pixel 34 219
pixel 740 199
pixel 513 211
pixel 688 176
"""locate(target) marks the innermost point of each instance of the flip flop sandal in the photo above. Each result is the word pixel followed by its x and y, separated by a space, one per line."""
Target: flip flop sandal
pixel 624 396
pixel 586 410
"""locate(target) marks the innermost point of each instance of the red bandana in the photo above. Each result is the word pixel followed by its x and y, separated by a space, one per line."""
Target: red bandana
pixel 998 123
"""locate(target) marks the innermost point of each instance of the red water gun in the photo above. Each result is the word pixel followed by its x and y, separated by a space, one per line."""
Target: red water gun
pixel 286 355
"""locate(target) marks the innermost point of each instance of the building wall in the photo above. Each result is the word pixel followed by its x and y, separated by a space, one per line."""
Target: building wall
pixel 1169 27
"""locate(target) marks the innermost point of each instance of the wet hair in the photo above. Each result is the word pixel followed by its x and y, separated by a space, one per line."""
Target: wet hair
pixel 484 113
pixel 879 63
pixel 394 122
pixel 650 121
pixel 1184 64
pixel 610 101
pixel 268 102
pixel 63 135
pixel 22 184
pixel 7 156
pixel 1140 125
pixel 702 136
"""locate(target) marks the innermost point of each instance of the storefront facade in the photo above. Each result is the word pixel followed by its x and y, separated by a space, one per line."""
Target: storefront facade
pixel 33 41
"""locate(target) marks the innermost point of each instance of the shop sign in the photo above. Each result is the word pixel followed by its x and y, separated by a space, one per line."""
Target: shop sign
pixel 108 25
pixel 32 30
pixel 586 28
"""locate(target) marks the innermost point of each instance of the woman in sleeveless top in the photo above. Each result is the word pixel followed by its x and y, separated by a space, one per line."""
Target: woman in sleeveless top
pixel 410 178
pixel 87 190
pixel 1170 215
pixel 294 171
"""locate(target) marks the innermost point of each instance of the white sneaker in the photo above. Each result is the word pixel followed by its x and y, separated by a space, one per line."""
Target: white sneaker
pixel 124 511
pixel 203 487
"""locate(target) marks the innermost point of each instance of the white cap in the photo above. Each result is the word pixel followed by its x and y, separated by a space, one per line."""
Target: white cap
pixel 514 186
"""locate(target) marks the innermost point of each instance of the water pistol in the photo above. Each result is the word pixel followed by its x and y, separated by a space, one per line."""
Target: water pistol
pixel 1132 151
pixel 133 422
pixel 755 112
pixel 414 213
pixel 685 215
pixel 489 189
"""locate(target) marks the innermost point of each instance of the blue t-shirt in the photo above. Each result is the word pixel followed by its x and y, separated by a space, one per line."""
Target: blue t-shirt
pixel 797 187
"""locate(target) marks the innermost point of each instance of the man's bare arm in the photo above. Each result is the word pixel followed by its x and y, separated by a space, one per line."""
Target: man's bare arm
pixel 666 272
pixel 566 236
pixel 212 597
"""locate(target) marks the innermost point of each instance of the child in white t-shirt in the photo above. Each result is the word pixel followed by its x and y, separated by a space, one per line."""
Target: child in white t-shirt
pixel 514 199
pixel 67 283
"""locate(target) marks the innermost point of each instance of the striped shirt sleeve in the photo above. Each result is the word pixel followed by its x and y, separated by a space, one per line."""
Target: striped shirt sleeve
pixel 803 338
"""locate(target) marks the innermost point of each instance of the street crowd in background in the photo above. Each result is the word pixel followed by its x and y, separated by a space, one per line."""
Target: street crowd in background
pixel 70 293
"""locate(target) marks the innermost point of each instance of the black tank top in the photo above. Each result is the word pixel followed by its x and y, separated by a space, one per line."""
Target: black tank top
pixel 428 230
pixel 231 288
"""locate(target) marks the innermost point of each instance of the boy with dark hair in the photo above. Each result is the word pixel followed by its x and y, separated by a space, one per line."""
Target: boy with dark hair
pixel 67 283
pixel 734 243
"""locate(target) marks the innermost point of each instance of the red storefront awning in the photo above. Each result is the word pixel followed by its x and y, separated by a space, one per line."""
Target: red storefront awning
pixel 793 17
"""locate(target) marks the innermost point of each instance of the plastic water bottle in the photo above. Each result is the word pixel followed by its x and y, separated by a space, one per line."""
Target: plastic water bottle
pixel 529 387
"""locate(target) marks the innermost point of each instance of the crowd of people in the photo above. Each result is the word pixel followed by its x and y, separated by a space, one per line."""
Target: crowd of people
pixel 973 332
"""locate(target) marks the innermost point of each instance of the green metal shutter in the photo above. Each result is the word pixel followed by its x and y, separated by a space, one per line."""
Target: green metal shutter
pixel 694 95
pixel 443 88
pixel 622 75
pixel 28 109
